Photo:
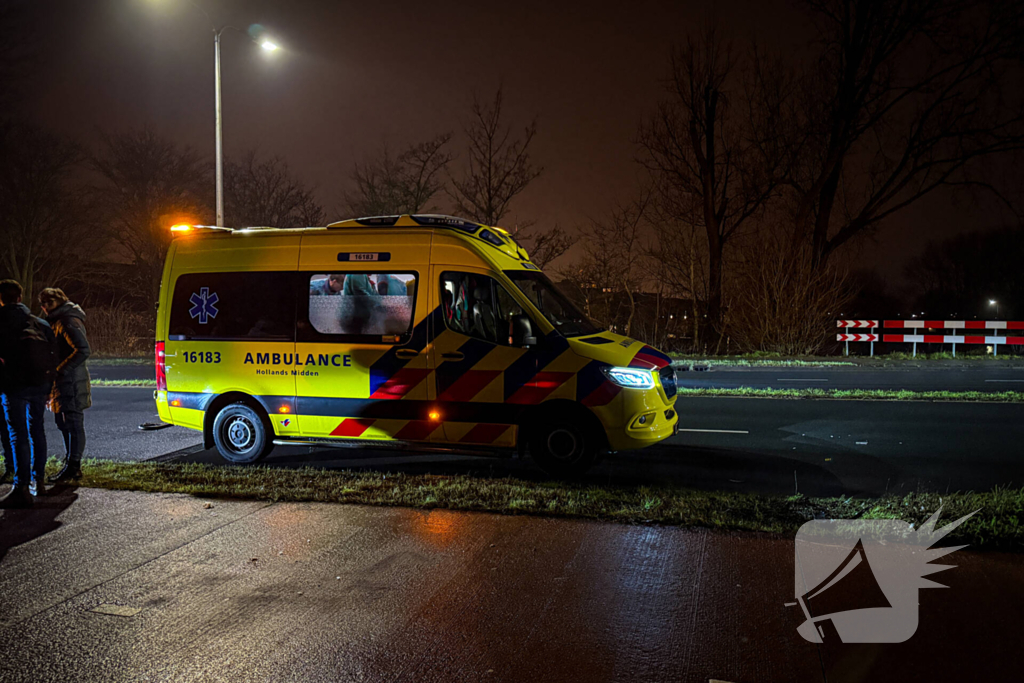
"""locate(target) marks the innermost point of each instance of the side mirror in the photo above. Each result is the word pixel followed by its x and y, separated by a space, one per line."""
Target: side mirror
pixel 522 331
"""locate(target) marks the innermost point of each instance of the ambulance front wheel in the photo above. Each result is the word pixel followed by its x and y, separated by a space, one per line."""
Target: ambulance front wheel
pixel 563 449
pixel 240 434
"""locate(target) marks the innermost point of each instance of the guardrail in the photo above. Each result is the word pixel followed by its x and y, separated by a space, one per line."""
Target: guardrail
pixel 953 339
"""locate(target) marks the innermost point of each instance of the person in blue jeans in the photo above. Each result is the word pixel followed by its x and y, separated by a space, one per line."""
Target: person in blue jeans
pixel 5 439
pixel 25 393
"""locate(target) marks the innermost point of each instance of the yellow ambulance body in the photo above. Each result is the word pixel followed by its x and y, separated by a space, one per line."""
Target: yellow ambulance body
pixel 410 329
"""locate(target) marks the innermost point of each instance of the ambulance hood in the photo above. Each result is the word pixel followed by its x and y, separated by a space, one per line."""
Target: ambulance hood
pixel 618 350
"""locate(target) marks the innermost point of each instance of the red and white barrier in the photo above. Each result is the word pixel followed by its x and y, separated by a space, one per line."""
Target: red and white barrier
pixel 956 324
pixel 950 339
pixel 916 339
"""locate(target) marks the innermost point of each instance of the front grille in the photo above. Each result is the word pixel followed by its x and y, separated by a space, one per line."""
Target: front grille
pixel 668 380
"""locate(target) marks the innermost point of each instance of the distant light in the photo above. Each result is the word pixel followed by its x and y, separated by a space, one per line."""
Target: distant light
pixel 269 46
pixel 434 415
pixel 991 302
pixel 181 228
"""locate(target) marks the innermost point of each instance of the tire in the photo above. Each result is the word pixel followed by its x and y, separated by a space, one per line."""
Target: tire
pixel 240 434
pixel 562 448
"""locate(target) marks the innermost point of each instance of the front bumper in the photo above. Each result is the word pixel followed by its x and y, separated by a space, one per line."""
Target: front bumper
pixel 644 427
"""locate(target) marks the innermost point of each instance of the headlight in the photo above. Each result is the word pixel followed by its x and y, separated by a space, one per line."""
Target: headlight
pixel 631 378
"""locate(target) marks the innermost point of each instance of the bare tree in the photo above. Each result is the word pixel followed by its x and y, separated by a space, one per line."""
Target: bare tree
pixel 608 279
pixel 498 165
pixel 148 184
pixel 706 155
pixel 43 232
pixel 784 302
pixel 264 193
pixel 903 97
pixel 544 246
pixel 406 183
pixel 677 255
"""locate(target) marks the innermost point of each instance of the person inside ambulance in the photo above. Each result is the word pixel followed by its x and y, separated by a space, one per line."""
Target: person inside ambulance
pixel 359 284
pixel 389 285
pixel 328 286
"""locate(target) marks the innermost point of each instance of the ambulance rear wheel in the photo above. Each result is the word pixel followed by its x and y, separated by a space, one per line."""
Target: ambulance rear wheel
pixel 562 449
pixel 240 434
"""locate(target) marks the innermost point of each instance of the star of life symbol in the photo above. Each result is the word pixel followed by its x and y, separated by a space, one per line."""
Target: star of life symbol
pixel 204 305
pixel 856 580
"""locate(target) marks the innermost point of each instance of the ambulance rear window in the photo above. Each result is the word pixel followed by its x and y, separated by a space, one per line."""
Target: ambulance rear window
pixel 225 306
pixel 360 306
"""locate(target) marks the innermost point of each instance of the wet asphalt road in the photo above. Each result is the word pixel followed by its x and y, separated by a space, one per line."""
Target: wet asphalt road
pixel 759 445
pixel 770 446
pixel 119 586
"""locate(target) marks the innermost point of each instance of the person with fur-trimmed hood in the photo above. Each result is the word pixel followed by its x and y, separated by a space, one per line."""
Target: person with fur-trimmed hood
pixel 72 392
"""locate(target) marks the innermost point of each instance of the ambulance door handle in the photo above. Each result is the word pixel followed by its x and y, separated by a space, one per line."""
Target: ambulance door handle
pixel 453 356
pixel 406 354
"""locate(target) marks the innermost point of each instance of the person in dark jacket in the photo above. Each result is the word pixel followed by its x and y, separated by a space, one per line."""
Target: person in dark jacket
pixel 24 397
pixel 72 392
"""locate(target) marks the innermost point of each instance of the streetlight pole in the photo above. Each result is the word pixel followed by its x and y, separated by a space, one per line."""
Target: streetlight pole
pixel 267 45
pixel 220 131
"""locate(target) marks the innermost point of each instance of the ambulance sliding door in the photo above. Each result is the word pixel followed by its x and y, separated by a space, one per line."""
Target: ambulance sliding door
pixel 361 337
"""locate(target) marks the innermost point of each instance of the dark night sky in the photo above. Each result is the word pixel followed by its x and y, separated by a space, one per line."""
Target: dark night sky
pixel 353 74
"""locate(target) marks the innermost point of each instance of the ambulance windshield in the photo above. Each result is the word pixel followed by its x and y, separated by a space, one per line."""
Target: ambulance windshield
pixel 567 318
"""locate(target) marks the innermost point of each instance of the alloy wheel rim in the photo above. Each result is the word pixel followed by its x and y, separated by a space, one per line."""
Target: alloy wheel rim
pixel 562 443
pixel 241 434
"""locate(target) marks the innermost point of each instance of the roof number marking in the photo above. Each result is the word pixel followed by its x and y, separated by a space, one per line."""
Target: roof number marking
pixel 365 256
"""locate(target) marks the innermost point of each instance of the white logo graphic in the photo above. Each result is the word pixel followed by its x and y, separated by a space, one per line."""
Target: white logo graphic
pixel 857 580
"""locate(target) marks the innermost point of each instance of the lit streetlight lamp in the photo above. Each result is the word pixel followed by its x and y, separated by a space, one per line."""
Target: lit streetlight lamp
pixel 993 302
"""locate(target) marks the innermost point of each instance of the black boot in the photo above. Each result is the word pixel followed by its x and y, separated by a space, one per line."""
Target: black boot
pixel 17 498
pixel 37 487
pixel 70 472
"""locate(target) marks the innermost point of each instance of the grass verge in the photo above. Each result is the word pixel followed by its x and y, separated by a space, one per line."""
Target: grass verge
pixel 114 360
pixel 892 359
pixel 759 363
pixel 995 527
pixel 861 394
pixel 123 382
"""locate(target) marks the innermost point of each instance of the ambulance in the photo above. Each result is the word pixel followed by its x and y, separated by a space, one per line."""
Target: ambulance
pixel 408 331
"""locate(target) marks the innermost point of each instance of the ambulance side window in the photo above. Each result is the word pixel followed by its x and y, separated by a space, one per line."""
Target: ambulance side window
pixel 361 306
pixel 477 306
pixel 227 306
